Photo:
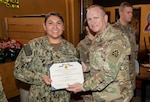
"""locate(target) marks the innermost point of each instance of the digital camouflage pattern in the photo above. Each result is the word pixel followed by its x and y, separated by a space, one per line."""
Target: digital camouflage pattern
pixel 129 32
pixel 109 62
pixel 2 94
pixel 83 48
pixel 33 62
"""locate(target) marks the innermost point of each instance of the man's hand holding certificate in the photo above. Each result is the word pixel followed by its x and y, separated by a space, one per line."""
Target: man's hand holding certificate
pixel 64 74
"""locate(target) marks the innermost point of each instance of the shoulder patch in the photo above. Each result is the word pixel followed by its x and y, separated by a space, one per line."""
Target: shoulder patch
pixel 27 50
pixel 115 52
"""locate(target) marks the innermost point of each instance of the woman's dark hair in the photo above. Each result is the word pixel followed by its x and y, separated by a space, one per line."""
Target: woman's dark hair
pixel 53 14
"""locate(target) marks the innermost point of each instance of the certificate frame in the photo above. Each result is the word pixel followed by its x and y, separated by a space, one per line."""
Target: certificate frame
pixel 64 74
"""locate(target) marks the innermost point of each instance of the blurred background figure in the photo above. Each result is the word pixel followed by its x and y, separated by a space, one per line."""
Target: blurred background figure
pixel 83 48
pixel 122 24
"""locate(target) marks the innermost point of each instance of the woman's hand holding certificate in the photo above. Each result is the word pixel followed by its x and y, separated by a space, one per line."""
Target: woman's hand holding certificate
pixel 64 74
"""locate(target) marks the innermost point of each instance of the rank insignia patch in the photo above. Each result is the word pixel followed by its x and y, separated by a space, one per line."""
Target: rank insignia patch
pixel 27 50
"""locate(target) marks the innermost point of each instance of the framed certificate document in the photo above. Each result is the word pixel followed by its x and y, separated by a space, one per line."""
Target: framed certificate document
pixel 63 74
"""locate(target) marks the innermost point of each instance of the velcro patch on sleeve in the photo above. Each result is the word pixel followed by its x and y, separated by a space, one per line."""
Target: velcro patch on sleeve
pixel 115 53
pixel 27 50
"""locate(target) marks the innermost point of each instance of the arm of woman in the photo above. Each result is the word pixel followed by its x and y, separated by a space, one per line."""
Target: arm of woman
pixel 24 70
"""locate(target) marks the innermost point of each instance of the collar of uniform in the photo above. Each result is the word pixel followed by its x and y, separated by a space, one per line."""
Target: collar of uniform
pixel 46 44
pixel 103 35
pixel 128 26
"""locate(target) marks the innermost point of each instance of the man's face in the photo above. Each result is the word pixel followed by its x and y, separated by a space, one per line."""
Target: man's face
pixel 96 19
pixel 127 14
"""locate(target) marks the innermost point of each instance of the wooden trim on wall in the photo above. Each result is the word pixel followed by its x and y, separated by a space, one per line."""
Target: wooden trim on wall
pixel 67 20
pixel 73 21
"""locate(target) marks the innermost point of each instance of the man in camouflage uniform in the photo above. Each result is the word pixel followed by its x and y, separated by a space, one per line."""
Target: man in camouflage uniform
pixel 34 60
pixel 126 13
pixel 2 94
pixel 109 61
pixel 83 48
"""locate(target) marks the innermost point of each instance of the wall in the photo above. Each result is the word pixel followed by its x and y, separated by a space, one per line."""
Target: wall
pixel 145 9
pixel 69 9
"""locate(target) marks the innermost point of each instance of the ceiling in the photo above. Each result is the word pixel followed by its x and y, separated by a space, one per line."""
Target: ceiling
pixel 109 3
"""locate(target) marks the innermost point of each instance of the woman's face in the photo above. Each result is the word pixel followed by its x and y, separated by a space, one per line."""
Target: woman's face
pixel 54 27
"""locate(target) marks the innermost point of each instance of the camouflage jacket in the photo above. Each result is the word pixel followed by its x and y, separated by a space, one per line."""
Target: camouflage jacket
pixel 109 62
pixel 83 49
pixel 129 32
pixel 33 62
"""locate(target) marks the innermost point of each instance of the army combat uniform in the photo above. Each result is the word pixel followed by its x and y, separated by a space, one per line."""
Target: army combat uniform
pixel 129 32
pixel 83 48
pixel 33 62
pixel 109 62
pixel 2 94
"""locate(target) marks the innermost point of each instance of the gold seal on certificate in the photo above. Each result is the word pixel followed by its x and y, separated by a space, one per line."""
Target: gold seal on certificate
pixel 63 74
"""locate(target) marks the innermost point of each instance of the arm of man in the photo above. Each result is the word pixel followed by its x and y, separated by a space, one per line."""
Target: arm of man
pixel 115 55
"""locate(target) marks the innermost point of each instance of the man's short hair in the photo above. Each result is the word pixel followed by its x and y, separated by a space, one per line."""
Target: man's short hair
pixel 96 5
pixel 123 5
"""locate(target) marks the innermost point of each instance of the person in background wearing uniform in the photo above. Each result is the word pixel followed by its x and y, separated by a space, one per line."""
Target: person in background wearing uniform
pixel 2 94
pixel 32 63
pixel 109 61
pixel 83 48
pixel 126 14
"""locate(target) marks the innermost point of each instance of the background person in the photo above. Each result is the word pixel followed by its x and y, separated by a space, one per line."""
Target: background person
pixel 122 24
pixel 83 48
pixel 109 61
pixel 32 63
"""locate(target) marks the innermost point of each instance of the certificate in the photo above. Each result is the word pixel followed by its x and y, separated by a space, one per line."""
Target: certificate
pixel 64 74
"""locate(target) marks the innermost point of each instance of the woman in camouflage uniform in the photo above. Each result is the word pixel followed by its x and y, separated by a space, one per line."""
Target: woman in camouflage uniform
pixel 32 64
